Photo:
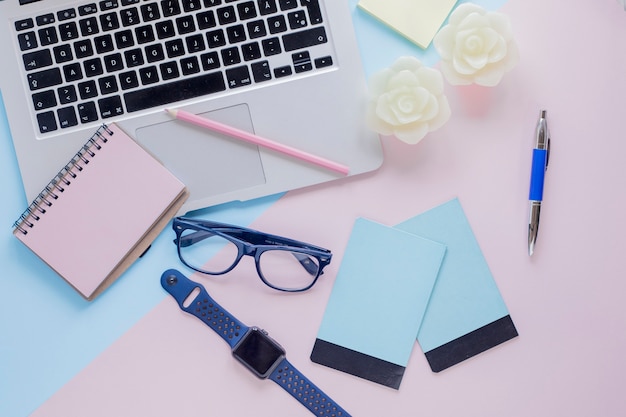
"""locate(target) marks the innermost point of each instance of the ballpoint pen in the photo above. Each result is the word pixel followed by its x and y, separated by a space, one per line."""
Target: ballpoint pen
pixel 541 155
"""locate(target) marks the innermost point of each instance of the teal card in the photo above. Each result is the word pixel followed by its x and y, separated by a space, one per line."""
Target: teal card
pixel 377 303
pixel 466 314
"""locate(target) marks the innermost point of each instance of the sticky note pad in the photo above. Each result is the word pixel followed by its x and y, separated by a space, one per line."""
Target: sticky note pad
pixel 377 303
pixel 417 20
pixel 466 314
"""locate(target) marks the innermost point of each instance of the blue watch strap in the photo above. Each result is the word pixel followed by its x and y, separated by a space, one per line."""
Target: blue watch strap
pixel 232 331
pixel 303 390
pixel 203 306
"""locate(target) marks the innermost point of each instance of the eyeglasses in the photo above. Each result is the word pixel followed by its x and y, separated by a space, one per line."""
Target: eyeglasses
pixel 216 248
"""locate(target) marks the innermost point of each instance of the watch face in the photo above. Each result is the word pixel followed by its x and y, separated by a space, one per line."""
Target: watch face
pixel 258 352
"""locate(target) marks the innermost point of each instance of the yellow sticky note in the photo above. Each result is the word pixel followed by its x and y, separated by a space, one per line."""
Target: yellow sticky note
pixel 417 20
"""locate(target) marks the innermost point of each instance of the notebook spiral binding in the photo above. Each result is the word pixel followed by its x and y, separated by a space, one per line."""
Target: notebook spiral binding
pixel 61 180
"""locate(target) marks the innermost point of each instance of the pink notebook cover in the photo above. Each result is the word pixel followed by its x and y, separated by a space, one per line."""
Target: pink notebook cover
pixel 101 221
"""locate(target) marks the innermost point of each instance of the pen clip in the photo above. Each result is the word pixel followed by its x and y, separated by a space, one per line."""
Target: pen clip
pixel 548 151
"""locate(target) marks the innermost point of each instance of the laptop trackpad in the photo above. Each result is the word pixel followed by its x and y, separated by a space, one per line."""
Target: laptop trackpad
pixel 208 163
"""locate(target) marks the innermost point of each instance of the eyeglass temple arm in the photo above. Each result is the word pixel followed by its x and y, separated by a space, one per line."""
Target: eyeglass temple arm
pixel 200 235
pixel 192 238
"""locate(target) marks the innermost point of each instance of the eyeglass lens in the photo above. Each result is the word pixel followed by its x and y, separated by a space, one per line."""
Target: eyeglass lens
pixel 285 269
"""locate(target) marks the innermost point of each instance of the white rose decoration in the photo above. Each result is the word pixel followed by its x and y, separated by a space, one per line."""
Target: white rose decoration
pixel 407 100
pixel 476 46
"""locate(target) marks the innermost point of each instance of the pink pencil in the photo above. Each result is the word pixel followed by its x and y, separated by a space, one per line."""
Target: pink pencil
pixel 257 140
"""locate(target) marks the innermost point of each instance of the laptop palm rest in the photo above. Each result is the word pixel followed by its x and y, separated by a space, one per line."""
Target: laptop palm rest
pixel 211 163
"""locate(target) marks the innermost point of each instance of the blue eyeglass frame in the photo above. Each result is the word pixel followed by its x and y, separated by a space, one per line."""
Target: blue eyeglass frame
pixel 249 242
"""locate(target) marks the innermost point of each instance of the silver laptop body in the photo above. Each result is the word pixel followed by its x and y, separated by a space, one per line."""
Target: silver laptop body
pixel 286 70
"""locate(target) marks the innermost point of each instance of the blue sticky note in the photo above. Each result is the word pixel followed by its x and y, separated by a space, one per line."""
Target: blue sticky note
pixel 466 314
pixel 377 303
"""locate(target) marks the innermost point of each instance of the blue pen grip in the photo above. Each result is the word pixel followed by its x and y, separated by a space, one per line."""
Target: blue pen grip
pixel 537 174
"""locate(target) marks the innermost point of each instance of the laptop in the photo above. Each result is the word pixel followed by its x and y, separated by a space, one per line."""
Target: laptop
pixel 286 70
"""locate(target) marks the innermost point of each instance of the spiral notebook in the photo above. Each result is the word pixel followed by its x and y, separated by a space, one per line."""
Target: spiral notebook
pixel 101 211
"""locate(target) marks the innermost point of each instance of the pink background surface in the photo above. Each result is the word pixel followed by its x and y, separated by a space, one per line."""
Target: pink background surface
pixel 566 301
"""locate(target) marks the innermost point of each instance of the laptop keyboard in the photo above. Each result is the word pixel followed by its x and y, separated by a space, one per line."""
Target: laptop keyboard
pixel 108 59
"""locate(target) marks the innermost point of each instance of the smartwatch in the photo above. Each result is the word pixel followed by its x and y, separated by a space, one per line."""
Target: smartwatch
pixel 251 346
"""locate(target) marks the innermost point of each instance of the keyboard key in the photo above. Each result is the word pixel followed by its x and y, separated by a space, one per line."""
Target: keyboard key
pixel 185 24
pixel 62 53
pixel 174 48
pixel 44 79
pixel 68 31
pixel 149 75
pixel 130 16
pixel 44 100
pixel 169 70
pixel 93 67
pixel 182 89
pixel 267 7
pixel 236 34
pixel 304 38
pixel 27 41
pixel 282 71
pixel 72 72
pixel 251 51
pixel 108 5
pixel 87 112
pixel 170 7
pixel 110 107
pixel 288 4
pixel 154 53
pixel 134 58
pixel 206 20
pixel 165 29
pixel 277 24
pixel 256 29
pixel 261 71
pixel 325 61
pixel 191 5
pixel 189 65
pixel 238 76
pixel 226 15
pixel 297 19
pixel 216 38
pixel 67 94
pixel 210 61
pixel 231 56
pixel 271 46
pixel 104 44
pixel 144 34
pixel 129 80
pixel 195 43
pixel 66 14
pixel 87 9
pixel 45 19
pixel 48 36
pixel 113 62
pixel 247 10
pixel 109 21
pixel 24 24
pixel 108 84
pixel 315 12
pixel 36 60
pixel 67 117
pixel 47 122
pixel 150 12
pixel 88 26
pixel 302 62
pixel 87 89
pixel 83 48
